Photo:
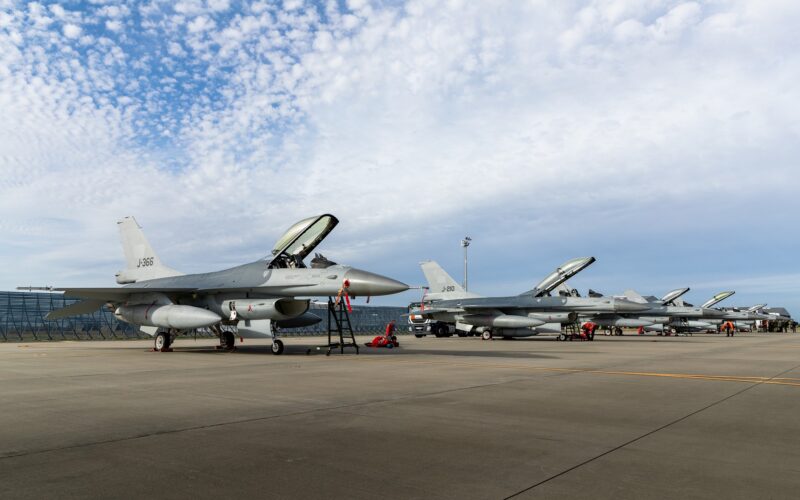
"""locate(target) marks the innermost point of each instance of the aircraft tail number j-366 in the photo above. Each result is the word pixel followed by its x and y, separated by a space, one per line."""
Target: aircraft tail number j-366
pixel 255 298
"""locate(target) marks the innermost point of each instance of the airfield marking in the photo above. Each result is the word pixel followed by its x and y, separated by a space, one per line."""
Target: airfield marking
pixel 794 382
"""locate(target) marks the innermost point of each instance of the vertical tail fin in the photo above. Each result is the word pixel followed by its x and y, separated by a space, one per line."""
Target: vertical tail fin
pixel 442 285
pixel 634 296
pixel 141 261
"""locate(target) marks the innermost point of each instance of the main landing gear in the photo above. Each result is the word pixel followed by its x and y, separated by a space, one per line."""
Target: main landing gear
pixel 162 342
pixel 487 335
pixel 227 341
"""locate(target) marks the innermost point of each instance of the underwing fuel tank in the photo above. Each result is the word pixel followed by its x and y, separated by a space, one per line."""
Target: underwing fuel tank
pixel 272 308
pixel 502 321
pixel 556 317
pixel 624 322
pixel 167 316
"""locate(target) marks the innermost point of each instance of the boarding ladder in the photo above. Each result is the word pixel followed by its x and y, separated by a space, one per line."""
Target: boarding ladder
pixel 572 330
pixel 339 326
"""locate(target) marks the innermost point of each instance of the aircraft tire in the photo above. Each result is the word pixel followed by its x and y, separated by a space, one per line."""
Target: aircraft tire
pixel 418 335
pixel 487 335
pixel 562 337
pixel 461 334
pixel 162 341
pixel 277 347
pixel 228 341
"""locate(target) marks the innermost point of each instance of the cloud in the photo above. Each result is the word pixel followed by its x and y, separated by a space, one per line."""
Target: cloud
pixel 72 31
pixel 542 128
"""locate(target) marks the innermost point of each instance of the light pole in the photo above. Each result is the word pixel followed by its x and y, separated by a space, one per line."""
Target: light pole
pixel 465 243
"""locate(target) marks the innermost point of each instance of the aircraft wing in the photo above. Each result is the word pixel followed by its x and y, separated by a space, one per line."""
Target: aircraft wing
pixel 486 309
pixel 488 306
pixel 431 311
pixel 117 293
pixel 122 293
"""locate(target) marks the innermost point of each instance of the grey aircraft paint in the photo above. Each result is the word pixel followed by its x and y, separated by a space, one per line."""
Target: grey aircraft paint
pixel 513 316
pixel 255 297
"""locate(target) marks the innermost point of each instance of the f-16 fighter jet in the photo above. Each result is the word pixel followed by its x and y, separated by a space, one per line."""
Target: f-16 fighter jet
pixel 710 318
pixel 669 313
pixel 523 315
pixel 254 297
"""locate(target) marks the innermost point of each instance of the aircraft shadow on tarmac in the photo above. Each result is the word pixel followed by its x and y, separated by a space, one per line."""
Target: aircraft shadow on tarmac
pixel 317 350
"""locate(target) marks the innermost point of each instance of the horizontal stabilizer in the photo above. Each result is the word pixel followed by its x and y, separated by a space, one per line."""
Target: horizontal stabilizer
pixel 76 309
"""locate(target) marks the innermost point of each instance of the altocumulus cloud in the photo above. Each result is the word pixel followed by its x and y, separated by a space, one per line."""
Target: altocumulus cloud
pixel 643 132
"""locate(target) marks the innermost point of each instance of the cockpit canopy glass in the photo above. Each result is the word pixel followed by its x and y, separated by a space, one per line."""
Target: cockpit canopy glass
pixel 301 239
pixel 567 270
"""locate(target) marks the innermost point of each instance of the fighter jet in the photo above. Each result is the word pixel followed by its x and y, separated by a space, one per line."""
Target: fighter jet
pixel 529 313
pixel 255 298
pixel 675 314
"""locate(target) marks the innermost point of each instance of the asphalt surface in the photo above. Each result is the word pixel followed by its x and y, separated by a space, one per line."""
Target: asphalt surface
pixel 621 417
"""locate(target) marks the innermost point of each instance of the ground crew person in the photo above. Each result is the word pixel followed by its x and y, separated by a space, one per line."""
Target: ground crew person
pixel 391 329
pixel 728 329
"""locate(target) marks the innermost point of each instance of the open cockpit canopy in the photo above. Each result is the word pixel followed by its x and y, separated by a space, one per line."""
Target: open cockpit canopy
pixel 564 272
pixel 300 240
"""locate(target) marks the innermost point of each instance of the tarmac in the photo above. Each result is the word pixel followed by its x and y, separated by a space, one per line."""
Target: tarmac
pixel 621 417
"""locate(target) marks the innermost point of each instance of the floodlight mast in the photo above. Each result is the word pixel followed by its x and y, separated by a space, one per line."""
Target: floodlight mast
pixel 465 243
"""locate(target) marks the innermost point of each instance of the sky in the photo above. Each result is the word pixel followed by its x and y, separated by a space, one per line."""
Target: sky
pixel 659 136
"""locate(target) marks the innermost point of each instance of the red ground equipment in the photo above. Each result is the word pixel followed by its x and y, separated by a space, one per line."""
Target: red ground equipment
pixel 388 339
pixel 384 341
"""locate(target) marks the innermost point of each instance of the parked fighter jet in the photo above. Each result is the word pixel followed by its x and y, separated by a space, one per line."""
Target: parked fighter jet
pixel 618 321
pixel 711 317
pixel 530 313
pixel 254 297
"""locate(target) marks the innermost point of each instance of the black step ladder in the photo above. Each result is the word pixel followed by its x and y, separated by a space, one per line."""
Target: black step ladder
pixel 572 330
pixel 340 326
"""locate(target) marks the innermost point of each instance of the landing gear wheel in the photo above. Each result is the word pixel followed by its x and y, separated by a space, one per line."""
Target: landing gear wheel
pixel 562 337
pixel 227 341
pixel 418 335
pixel 487 335
pixel 277 347
pixel 162 341
pixel 461 333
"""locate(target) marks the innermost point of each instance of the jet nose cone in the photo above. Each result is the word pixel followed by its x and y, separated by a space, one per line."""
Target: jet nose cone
pixel 623 305
pixel 363 283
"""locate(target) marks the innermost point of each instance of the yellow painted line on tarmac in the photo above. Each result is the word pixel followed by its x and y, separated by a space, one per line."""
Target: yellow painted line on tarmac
pixel 795 382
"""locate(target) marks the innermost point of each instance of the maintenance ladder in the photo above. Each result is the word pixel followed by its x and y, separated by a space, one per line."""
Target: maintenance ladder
pixel 340 326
